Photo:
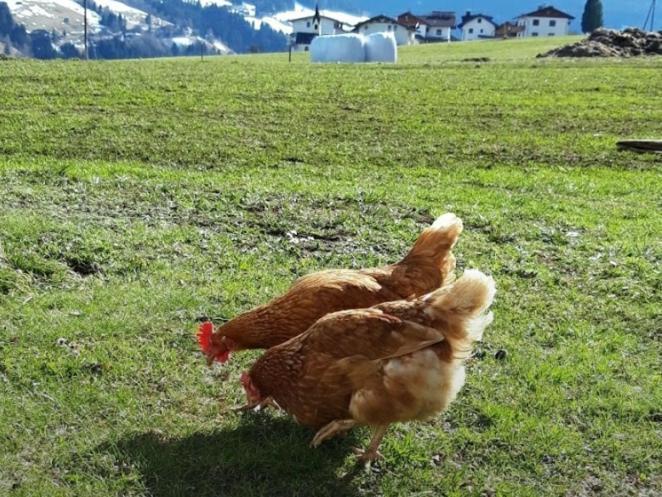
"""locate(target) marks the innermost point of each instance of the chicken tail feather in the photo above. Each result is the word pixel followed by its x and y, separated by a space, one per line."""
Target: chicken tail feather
pixel 436 241
pixel 463 306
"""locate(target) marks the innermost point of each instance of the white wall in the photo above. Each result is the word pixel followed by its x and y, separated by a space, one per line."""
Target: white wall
pixel 477 28
pixel 438 33
pixel 422 30
pixel 402 35
pixel 307 25
pixel 544 27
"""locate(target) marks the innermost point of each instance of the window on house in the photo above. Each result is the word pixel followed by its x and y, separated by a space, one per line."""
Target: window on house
pixel 552 23
pixel 534 34
pixel 550 34
pixel 536 22
pixel 439 32
pixel 479 20
pixel 471 30
pixel 365 28
pixel 308 24
pixel 481 30
pixel 388 27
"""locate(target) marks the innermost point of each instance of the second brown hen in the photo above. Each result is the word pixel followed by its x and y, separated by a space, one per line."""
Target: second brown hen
pixel 398 361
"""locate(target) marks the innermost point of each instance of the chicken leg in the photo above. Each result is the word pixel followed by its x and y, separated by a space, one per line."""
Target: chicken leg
pixel 371 453
pixel 267 402
pixel 332 429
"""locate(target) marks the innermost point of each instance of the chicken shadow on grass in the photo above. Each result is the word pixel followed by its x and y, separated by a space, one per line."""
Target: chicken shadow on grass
pixel 261 456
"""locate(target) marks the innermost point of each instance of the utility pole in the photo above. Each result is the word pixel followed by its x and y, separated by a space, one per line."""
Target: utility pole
pixel 85 29
pixel 650 16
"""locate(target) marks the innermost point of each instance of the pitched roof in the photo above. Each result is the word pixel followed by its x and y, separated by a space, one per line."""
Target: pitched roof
pixel 409 19
pixel 439 19
pixel 547 11
pixel 467 18
pixel 381 19
pixel 312 16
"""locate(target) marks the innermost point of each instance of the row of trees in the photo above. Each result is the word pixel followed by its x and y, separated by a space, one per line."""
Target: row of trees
pixel 11 33
pixel 221 23
pixel 114 22
pixel 36 43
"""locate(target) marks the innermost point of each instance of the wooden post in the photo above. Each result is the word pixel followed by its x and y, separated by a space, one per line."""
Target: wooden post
pixel 85 54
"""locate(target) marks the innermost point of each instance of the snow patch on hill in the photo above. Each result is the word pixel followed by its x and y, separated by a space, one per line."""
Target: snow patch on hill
pixel 188 40
pixel 66 16
pixel 63 16
pixel 219 3
pixel 134 17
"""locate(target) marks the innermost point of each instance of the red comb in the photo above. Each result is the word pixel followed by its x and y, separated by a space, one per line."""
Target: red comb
pixel 205 331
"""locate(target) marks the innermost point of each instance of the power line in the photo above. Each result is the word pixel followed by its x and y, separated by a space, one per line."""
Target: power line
pixel 650 17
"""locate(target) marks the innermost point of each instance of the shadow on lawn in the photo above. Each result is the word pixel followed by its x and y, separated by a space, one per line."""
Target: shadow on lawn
pixel 262 456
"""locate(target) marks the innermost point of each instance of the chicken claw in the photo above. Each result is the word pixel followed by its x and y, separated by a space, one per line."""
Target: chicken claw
pixel 332 429
pixel 367 456
pixel 370 454
pixel 268 402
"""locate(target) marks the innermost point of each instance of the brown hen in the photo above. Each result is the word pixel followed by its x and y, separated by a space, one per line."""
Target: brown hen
pixel 427 266
pixel 398 361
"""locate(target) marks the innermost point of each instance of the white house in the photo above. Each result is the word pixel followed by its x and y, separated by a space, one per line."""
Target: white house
pixel 477 26
pixel 440 25
pixel 437 26
pixel 546 21
pixel 404 35
pixel 304 29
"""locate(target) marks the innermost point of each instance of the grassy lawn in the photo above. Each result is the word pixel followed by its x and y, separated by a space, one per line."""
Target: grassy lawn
pixel 137 197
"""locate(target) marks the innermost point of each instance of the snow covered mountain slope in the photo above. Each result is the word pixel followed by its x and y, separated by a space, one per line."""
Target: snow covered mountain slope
pixel 66 16
pixel 63 16
pixel 134 17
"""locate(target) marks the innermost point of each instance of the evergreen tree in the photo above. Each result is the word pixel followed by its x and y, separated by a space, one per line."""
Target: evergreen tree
pixel 19 36
pixel 6 20
pixel 41 45
pixel 592 17
pixel 69 51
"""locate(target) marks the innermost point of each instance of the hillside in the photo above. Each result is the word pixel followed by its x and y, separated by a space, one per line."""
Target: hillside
pixel 141 28
pixel 139 197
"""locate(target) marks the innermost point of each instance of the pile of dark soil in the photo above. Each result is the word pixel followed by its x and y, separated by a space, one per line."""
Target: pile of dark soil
pixel 631 42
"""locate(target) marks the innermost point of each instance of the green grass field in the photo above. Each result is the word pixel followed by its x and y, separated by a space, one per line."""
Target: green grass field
pixel 137 197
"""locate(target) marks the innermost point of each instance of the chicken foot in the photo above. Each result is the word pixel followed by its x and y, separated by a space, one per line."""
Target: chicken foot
pixel 332 429
pixel 371 453
pixel 268 402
